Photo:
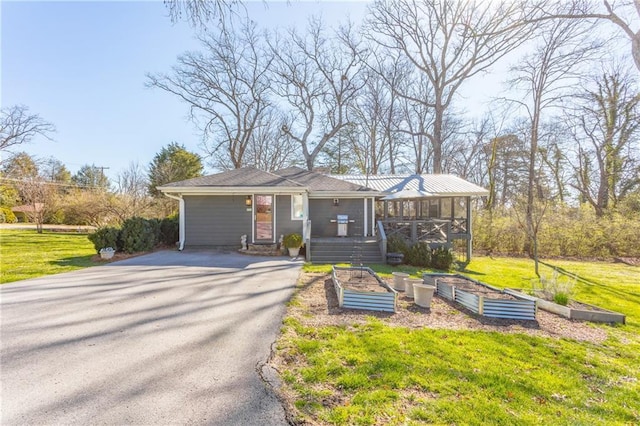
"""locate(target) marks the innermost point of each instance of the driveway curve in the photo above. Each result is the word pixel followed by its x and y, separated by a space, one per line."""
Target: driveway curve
pixel 165 338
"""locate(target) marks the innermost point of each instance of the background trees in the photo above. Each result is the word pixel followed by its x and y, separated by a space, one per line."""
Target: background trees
pixel 173 163
pixel 18 127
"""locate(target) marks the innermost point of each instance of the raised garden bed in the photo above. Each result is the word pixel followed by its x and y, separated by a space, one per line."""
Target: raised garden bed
pixel 574 309
pixel 361 288
pixel 483 299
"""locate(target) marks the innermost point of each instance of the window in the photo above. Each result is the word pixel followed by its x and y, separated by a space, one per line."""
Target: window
pixel 297 207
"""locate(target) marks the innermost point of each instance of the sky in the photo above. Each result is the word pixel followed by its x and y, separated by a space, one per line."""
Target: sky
pixel 82 66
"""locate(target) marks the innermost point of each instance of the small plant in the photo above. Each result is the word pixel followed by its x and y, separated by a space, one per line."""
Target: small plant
pixel 292 241
pixel 441 258
pixel 561 299
pixel 107 250
pixel 555 288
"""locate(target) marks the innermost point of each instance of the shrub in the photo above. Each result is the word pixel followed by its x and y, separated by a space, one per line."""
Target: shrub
pixel 169 230
pixel 7 216
pixel 419 255
pixel 292 241
pixel 105 237
pixel 397 244
pixel 441 258
pixel 139 234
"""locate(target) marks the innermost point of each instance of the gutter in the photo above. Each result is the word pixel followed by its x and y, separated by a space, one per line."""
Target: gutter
pixel 181 219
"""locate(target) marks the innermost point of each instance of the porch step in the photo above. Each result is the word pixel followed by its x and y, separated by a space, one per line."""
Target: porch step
pixel 345 251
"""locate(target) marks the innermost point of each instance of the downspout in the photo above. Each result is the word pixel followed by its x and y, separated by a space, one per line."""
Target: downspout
pixel 181 219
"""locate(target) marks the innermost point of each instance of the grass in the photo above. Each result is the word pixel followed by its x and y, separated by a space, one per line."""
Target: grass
pixel 26 254
pixel 378 374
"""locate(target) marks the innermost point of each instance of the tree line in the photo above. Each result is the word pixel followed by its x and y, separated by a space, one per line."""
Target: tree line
pixel 51 194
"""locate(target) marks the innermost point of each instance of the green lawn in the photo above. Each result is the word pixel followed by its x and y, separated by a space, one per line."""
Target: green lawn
pixel 379 374
pixel 26 254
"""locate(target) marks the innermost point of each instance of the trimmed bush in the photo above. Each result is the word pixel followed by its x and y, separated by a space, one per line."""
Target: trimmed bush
pixel 397 244
pixel 139 234
pixel 419 255
pixel 441 258
pixel 170 230
pixel 105 237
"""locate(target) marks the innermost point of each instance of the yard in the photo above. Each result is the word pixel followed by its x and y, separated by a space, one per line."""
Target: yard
pixel 416 367
pixel 26 254
pixel 353 367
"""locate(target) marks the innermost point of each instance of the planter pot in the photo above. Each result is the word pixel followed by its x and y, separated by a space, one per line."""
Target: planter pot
pixel 423 294
pixel 395 258
pixel 294 252
pixel 398 280
pixel 106 255
pixel 408 286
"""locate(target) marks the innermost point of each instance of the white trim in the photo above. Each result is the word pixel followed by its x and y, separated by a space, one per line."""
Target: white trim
pixel 293 217
pixel 373 216
pixel 274 220
pixel 181 220
pixel 253 219
pixel 235 190
pixel 366 224
pixel 344 194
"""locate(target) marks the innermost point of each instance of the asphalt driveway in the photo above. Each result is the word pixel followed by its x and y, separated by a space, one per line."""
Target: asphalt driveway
pixel 164 338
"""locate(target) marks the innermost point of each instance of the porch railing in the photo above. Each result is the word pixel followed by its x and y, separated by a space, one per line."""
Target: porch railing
pixel 426 230
pixel 382 240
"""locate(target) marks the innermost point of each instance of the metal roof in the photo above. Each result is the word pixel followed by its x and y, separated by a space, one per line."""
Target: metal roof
pixel 438 185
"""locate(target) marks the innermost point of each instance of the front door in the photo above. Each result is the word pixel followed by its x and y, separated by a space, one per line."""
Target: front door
pixel 264 218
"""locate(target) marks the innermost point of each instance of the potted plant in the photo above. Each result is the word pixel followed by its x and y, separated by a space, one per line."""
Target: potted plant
pixel 293 242
pixel 106 252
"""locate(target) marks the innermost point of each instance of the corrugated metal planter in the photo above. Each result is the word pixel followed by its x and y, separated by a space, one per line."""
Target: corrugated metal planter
pixel 586 313
pixel 520 308
pixel 366 300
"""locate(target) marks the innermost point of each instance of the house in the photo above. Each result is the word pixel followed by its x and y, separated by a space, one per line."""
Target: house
pixel 339 217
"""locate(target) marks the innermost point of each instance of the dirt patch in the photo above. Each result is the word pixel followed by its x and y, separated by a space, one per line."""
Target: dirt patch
pixel 474 288
pixel 318 306
pixel 359 280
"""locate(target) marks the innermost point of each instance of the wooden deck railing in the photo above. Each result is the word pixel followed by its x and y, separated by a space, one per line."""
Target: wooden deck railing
pixel 437 231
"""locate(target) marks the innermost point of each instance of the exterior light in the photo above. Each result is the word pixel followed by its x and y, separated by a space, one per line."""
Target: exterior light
pixel 336 202
pixel 248 201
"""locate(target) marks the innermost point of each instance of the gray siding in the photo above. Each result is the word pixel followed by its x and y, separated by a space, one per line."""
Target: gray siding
pixel 216 220
pixel 321 211
pixel 284 224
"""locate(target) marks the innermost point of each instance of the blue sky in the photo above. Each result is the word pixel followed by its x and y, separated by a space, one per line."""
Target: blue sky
pixel 82 65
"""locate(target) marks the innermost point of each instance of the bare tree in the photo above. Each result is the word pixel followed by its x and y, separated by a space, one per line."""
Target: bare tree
pixel 544 76
pixel 375 115
pixel 316 76
pixel 133 197
pixel 226 88
pixel 18 127
pixel 448 42
pixel 268 148
pixel 606 127
pixel 624 14
pixel 200 12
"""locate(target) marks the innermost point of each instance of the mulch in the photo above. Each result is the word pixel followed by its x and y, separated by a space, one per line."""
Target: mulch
pixel 318 306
